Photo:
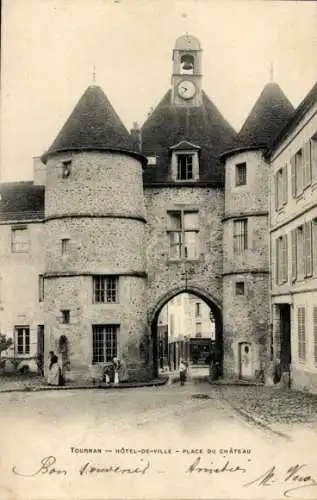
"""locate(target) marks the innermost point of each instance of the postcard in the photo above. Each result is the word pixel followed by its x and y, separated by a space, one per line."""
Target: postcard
pixel 158 250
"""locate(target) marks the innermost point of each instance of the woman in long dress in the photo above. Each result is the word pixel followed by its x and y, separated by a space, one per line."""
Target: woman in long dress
pixel 122 371
pixel 54 376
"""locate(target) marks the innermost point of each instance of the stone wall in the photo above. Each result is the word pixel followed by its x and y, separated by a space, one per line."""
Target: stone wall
pixel 246 315
pixel 99 208
pixel 164 274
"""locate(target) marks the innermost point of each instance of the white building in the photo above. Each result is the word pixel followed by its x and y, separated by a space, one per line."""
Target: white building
pixel 293 230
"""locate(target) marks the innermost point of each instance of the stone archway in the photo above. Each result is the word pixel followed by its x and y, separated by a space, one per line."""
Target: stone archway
pixel 203 294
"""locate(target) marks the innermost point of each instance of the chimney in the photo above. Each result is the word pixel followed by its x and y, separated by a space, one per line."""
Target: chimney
pixel 39 172
pixel 136 136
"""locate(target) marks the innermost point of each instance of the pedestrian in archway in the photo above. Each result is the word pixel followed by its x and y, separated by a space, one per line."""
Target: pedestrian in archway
pixel 182 371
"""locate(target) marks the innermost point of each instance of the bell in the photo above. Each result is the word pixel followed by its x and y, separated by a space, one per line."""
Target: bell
pixel 187 65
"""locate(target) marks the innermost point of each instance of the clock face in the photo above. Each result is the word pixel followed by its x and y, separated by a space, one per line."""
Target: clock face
pixel 186 89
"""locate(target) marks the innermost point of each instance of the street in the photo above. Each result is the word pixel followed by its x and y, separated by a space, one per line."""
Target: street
pixel 187 441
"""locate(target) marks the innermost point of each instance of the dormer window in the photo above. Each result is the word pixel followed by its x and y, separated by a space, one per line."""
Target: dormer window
pixel 184 167
pixel 185 162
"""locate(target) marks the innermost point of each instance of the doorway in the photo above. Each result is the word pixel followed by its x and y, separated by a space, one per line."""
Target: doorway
pixel 285 338
pixel 245 361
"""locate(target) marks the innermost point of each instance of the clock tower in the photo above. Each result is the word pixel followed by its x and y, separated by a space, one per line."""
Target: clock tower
pixel 186 77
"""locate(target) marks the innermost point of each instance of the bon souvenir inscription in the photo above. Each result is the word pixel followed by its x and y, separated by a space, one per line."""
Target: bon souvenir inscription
pixel 219 464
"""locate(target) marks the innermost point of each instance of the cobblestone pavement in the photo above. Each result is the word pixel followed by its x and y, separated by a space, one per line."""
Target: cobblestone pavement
pixel 271 404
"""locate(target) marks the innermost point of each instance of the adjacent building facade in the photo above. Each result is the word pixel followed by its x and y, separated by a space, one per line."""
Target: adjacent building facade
pixel 115 225
pixel 293 236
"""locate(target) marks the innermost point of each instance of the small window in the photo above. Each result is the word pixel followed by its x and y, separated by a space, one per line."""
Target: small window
pixel 65 316
pixel 20 239
pixel 241 174
pixel 240 288
pixel 66 168
pixel 41 288
pixel 151 161
pixel 64 246
pixel 106 289
pixel 197 310
pixel 184 167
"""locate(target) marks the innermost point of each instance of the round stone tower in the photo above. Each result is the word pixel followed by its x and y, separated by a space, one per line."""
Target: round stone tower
pixel 94 254
pixel 246 238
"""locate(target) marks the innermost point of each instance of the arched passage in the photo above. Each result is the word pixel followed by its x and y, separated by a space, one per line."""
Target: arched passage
pixel 211 303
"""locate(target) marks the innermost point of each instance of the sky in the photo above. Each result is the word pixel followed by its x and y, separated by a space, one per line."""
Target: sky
pixel 49 49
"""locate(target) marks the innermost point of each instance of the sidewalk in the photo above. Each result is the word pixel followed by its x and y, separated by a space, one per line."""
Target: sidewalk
pixel 200 373
pixel 34 384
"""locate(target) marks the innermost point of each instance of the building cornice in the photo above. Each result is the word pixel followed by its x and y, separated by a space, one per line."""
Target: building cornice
pixel 238 215
pixel 207 184
pixel 247 271
pixel 292 218
pixel 87 215
pixel 72 274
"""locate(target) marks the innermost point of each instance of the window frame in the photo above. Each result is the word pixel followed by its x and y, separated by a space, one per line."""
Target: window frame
pixel 182 231
pixel 238 286
pixel 180 156
pixel 282 259
pixel 104 331
pixel 25 348
pixel 101 291
pixel 241 167
pixel 65 246
pixel 240 236
pixel 20 247
pixel 65 316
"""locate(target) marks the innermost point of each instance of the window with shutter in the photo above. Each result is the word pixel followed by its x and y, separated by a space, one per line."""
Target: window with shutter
pixel 294 254
pixel 293 175
pixel 313 157
pixel 300 253
pixel 301 334
pixel 308 249
pixel 277 260
pixel 307 165
pixel 285 259
pixel 299 164
pixel 314 246
pixel 285 184
pixel 315 333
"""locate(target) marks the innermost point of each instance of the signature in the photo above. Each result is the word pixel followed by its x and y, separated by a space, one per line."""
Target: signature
pixel 196 466
pixel 48 466
pixel 295 478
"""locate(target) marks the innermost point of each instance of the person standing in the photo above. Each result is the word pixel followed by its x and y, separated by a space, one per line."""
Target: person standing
pixel 122 371
pixel 116 371
pixel 53 377
pixel 182 372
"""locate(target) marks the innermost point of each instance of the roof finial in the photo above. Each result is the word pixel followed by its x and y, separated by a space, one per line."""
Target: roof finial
pixel 271 72
pixel 93 74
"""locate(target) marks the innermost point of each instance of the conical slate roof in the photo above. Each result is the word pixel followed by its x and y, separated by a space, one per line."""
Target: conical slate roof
pixel 268 116
pixel 93 125
pixel 201 125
